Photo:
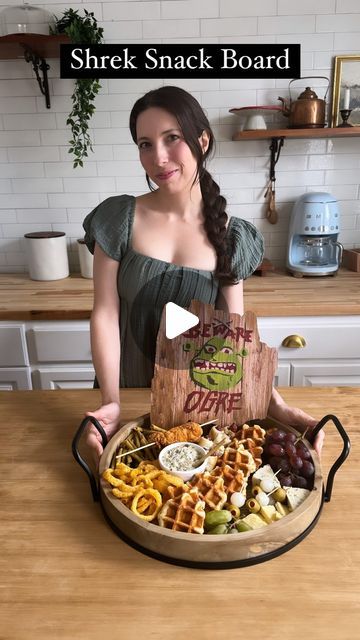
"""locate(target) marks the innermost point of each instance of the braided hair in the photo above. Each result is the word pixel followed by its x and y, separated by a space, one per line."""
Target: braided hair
pixel 193 122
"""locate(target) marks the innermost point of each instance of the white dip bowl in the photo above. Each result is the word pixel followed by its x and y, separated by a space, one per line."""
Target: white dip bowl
pixel 167 455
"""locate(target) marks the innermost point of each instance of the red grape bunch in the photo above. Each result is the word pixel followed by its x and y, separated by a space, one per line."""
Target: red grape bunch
pixel 287 453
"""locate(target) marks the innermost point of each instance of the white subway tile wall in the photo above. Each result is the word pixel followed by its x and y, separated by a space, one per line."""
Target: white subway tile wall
pixel 39 188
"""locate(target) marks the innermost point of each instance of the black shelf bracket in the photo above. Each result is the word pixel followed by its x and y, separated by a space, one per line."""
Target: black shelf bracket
pixel 275 150
pixel 39 63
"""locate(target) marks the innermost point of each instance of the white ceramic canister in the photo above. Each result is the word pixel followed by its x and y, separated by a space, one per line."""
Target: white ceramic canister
pixel 47 255
pixel 86 260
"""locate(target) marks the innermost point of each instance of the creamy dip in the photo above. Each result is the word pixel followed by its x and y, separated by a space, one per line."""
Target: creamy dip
pixel 182 458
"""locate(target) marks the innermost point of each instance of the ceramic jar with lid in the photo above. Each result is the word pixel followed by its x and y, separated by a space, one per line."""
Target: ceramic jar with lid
pixel 47 255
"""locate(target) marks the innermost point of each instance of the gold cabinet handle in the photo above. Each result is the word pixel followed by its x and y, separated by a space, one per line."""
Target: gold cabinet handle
pixel 294 342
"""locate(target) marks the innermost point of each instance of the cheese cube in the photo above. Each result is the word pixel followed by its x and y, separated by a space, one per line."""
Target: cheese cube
pixel 263 473
pixel 254 521
pixel 281 508
pixel 268 513
pixel 295 496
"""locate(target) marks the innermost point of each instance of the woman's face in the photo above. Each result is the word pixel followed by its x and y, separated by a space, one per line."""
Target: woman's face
pixel 164 154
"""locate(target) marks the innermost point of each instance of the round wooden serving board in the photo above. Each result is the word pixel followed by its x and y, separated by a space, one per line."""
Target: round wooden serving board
pixel 202 549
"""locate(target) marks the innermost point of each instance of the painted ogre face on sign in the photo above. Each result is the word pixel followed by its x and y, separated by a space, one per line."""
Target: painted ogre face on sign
pixel 217 366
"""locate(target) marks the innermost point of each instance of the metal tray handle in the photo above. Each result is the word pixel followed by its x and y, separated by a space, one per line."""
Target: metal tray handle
pixel 343 455
pixel 93 481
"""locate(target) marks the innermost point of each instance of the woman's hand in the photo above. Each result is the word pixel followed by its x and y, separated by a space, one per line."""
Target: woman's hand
pixel 109 417
pixel 296 418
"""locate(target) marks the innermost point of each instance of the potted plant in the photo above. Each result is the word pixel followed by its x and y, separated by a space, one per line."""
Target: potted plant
pixel 81 30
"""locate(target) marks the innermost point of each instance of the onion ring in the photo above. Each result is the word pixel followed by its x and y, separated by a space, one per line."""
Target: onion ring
pixel 155 500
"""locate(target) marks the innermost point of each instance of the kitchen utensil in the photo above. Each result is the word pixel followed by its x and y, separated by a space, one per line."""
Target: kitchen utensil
pixel 271 213
pixel 308 111
pixel 275 148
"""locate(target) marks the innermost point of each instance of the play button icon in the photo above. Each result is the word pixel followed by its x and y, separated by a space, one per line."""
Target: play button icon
pixel 178 320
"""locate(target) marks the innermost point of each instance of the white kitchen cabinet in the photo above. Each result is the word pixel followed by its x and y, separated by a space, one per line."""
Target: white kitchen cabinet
pixel 338 373
pixel 331 355
pixel 14 362
pixel 60 354
pixel 53 355
pixel 13 351
pixel 63 378
pixel 15 378
pixel 57 342
pixel 282 375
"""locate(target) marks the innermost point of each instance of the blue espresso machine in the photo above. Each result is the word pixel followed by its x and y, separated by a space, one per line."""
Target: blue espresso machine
pixel 314 248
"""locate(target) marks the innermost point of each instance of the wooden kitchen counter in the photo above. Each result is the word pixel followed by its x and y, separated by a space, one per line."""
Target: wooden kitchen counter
pixel 66 575
pixel 25 299
pixel 277 294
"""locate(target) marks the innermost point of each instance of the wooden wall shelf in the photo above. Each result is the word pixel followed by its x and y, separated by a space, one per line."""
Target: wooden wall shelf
pixel 14 45
pixel 326 132
pixel 34 48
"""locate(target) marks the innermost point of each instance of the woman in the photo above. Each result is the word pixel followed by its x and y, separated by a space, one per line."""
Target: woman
pixel 173 244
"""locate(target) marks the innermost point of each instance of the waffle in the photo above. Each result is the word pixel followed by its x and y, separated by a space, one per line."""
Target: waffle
pixel 253 431
pixel 233 480
pixel 256 450
pixel 211 490
pixel 186 513
pixel 172 492
pixel 236 456
pixel 253 438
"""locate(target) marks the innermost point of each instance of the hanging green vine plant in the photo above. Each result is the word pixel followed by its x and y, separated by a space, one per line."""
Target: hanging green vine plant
pixel 81 30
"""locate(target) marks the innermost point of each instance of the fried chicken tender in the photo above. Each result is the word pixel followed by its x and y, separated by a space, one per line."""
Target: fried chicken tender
pixel 188 432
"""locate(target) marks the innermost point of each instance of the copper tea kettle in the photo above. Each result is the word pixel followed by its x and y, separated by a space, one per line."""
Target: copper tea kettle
pixel 308 111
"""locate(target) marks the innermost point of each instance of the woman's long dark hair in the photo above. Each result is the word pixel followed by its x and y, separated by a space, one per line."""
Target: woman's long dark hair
pixel 193 121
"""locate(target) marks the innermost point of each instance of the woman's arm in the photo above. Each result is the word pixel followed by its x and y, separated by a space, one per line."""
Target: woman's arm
pixel 231 298
pixel 105 346
pixel 104 326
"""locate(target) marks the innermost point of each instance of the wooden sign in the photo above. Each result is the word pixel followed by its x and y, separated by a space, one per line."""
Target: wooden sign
pixel 218 369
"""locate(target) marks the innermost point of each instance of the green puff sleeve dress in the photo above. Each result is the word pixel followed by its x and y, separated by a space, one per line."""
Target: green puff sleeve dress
pixel 146 284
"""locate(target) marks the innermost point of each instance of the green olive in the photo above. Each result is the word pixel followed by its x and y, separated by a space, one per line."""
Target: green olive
pixel 220 529
pixel 234 510
pixel 215 518
pixel 279 495
pixel 253 505
pixel 242 526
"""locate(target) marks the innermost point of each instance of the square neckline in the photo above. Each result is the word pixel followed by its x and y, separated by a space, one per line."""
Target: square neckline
pixel 143 255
